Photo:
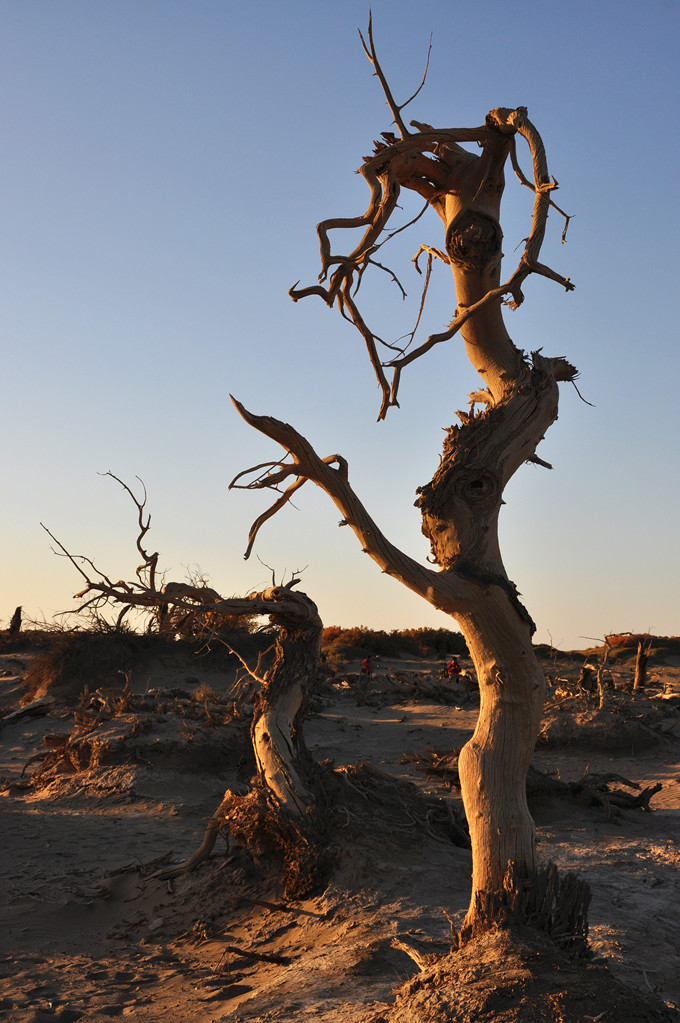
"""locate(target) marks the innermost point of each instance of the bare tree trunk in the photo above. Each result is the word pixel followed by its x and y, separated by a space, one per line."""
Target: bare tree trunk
pixel 602 688
pixel 643 650
pixel 493 765
pixel 460 518
pixel 284 765
pixel 15 624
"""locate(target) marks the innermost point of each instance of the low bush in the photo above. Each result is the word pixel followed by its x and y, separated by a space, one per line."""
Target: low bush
pixel 548 651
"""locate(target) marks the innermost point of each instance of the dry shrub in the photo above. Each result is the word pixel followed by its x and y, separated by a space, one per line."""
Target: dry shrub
pixel 204 692
pixel 71 661
pixel 551 652
pixel 28 639
pixel 631 639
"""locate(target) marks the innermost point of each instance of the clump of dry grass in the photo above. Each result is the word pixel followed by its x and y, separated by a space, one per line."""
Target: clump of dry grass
pixel 204 693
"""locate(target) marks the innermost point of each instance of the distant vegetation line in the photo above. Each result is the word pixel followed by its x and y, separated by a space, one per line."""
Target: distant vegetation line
pixel 339 642
pixel 360 641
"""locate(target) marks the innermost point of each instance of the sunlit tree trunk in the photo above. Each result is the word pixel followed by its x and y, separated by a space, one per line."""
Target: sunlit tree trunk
pixel 283 762
pixel 506 421
pixel 643 650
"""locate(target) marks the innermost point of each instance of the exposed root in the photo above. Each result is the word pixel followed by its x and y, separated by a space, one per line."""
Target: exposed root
pixel 267 832
pixel 518 975
pixel 299 846
pixel 215 825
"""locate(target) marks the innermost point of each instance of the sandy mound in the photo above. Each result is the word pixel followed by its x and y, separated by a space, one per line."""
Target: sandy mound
pixel 518 978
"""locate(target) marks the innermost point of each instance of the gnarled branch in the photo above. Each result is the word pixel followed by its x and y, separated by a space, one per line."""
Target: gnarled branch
pixel 444 590
pixel 461 188
pixel 149 561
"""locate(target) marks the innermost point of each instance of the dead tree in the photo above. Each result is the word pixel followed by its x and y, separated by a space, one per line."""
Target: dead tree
pixel 601 669
pixel 644 648
pixel 500 431
pixel 15 624
pixel 285 778
pixel 281 814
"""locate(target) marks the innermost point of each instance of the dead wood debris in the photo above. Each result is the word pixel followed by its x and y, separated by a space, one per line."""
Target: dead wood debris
pixel 38 708
pixel 422 959
pixel 250 953
pixel 396 686
pixel 92 743
pixel 594 788
pixel 436 816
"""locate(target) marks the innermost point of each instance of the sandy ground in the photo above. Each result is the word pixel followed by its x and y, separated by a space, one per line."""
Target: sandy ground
pixel 86 935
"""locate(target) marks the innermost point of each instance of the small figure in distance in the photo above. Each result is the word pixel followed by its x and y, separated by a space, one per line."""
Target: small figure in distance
pixel 367 667
pixel 453 669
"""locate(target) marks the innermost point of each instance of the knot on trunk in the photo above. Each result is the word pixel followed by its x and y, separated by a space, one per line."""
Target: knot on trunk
pixel 473 241
pixel 459 506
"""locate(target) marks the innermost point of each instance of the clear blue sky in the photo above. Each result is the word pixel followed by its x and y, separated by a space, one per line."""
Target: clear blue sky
pixel 164 166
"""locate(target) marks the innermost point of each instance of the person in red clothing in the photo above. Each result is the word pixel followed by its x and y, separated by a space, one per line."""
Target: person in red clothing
pixel 366 667
pixel 453 669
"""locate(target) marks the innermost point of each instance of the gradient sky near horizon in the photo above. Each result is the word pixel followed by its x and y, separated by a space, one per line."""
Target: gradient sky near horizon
pixel 164 166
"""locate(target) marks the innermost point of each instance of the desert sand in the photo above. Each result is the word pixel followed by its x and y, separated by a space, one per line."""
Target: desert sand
pixel 88 935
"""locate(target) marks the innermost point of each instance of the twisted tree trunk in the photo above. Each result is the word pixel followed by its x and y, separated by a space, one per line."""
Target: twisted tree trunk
pixel 284 766
pixel 507 420
pixel 475 590
pixel 283 762
pixel 282 802
pixel 460 509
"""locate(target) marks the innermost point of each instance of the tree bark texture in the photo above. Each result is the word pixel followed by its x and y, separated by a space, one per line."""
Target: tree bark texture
pixel 284 765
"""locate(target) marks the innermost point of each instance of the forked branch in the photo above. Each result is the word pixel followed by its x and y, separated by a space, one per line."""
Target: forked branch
pixel 396 109
pixel 101 591
pixel 330 474
pixel 146 572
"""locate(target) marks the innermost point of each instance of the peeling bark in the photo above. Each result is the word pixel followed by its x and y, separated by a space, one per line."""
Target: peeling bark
pixel 284 765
